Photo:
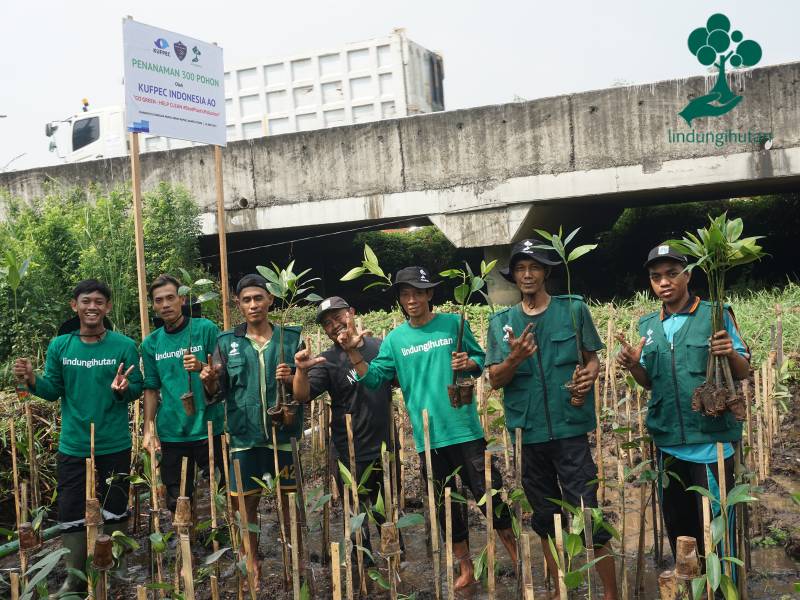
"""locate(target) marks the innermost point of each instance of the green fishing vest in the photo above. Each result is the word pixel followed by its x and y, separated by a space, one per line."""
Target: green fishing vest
pixel 675 370
pixel 248 423
pixel 535 400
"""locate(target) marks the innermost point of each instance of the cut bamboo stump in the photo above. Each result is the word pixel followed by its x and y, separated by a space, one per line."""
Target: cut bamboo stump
pixel 562 587
pixel 707 538
pixel 336 579
pixel 527 569
pixel 437 583
pixel 295 542
pixel 187 571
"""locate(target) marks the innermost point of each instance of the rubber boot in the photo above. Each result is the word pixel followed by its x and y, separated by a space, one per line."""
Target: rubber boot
pixel 75 542
pixel 120 570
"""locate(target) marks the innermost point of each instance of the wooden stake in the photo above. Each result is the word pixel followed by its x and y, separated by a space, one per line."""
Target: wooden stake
pixel 723 498
pixel 214 587
pixel 91 530
pixel 228 498
pixel 223 241
pixel 279 504
pixel 348 547
pixel 184 471
pixel 506 451
pixel 336 578
pixel 609 360
pixel 32 465
pixel 598 436
pixel 141 273
pixel 621 481
pixel 518 504
pixel 14 585
pixel 401 497
pixel 326 483
pixel 15 471
pixel 448 541
pixel 589 542
pixel 762 463
pixel 389 503
pixel 303 521
pixel 154 512
pixel 562 587
pixel 527 572
pixel 437 582
pixel 250 552
pixel 188 574
pixel 362 580
pixel 133 496
pixel 295 542
pixel 487 469
pixel 212 493
pixel 707 539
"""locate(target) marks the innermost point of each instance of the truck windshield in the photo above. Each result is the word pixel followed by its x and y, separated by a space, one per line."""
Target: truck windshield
pixel 84 132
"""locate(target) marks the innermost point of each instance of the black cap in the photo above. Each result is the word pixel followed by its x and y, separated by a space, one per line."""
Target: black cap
pixel 251 280
pixel 662 252
pixel 329 304
pixel 527 249
pixel 418 277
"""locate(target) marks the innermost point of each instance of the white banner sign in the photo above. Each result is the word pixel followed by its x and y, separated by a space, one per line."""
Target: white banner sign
pixel 173 85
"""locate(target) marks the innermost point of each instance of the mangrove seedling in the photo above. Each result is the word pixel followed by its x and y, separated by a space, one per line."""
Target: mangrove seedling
pixel 369 266
pixel 559 244
pixel 718 248
pixel 292 289
pixel 189 291
pixel 461 389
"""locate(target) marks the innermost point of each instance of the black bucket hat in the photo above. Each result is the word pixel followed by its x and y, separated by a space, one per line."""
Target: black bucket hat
pixel 418 277
pixel 527 249
pixel 664 252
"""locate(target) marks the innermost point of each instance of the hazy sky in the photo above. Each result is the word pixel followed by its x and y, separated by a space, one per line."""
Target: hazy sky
pixel 55 53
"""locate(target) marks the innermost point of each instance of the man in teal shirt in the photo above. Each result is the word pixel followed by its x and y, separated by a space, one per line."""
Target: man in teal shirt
pixel 670 360
pixel 421 354
pixel 169 368
pixel 95 373
pixel 532 353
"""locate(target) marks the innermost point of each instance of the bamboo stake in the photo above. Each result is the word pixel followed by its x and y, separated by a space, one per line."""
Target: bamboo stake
pixel 15 472
pixel 14 586
pixel 303 520
pixel 518 504
pixel 621 481
pixel 749 427
pixel 188 574
pixel 32 465
pixel 586 514
pixel 228 498
pixel 326 483
pixel 348 548
pixel 598 437
pixel 362 580
pixel 609 360
pixel 401 497
pixel 742 530
pixel 223 242
pixel 562 587
pixel 762 471
pixel 336 578
pixel 723 501
pixel 487 469
pixel 778 336
pixel 389 501
pixel 91 530
pixel 776 428
pixel 638 584
pixel 249 551
pixel 214 587
pixel 707 540
pixel 295 542
pixel 279 503
pixel 448 537
pixel 506 446
pixel 212 493
pixel 133 496
pixel 766 404
pixel 155 512
pixel 141 273
pixel 437 583
pixel 527 572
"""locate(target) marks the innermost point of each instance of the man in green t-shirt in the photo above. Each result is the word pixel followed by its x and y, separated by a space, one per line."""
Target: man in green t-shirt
pixel 170 370
pixel 245 372
pixel 421 354
pixel 532 353
pixel 670 359
pixel 95 373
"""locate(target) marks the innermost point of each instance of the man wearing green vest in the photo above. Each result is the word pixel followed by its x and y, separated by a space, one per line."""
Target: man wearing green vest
pixel 95 373
pixel 670 360
pixel 245 372
pixel 169 367
pixel 532 353
pixel 421 354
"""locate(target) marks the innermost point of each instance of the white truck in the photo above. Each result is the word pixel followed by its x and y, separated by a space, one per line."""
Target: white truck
pixel 366 81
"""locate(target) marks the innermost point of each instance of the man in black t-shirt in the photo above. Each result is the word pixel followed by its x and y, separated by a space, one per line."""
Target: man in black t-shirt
pixel 332 372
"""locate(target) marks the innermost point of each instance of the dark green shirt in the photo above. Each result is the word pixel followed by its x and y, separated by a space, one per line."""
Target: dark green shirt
pixel 162 358
pixel 80 374
pixel 535 399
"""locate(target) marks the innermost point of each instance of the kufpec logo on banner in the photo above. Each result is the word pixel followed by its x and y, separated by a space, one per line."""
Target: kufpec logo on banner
pixel 716 44
pixel 167 95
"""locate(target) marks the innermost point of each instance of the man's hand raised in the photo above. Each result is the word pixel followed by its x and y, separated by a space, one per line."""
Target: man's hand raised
pixel 350 338
pixel 304 361
pixel 629 356
pixel 120 383
pixel 210 373
pixel 522 347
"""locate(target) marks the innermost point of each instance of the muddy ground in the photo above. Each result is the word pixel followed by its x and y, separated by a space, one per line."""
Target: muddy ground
pixel 775 524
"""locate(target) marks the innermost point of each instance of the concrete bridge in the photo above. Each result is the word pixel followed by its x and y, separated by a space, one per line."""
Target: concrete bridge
pixel 486 175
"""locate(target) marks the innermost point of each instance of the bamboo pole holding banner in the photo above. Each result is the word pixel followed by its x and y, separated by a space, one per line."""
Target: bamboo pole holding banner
pixel 223 240
pixel 138 230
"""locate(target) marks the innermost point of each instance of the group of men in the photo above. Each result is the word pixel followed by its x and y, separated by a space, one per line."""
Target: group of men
pixel 534 349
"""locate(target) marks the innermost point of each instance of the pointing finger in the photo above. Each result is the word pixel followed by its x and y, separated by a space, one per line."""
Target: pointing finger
pixel 641 344
pixel 210 360
pixel 119 370
pixel 129 371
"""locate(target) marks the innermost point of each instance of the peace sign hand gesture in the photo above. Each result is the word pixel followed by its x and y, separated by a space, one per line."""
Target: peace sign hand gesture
pixel 120 383
pixel 629 356
pixel 350 338
pixel 523 346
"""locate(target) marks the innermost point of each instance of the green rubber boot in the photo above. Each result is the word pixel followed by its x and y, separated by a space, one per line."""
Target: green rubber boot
pixel 76 559
pixel 120 570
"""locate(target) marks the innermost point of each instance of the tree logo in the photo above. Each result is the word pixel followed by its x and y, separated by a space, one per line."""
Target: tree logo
pixel 715 44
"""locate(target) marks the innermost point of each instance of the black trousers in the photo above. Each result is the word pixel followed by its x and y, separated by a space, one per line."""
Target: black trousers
pixel 468 459
pixel 683 510
pixel 172 455
pixel 71 488
pixel 559 469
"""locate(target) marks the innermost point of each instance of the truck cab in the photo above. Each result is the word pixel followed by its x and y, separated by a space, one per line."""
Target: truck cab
pixel 89 135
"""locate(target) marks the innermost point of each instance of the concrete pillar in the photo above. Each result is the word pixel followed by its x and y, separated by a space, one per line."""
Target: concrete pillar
pixel 501 292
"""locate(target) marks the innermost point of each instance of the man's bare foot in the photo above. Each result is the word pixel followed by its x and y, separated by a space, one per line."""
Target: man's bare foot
pixel 256 578
pixel 467 575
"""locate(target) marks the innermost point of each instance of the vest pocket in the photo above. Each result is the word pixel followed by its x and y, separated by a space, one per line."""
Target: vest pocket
pixel 724 422
pixel 236 374
pixel 565 348
pixel 697 358
pixel 651 363
pixel 655 419
pixel 515 405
